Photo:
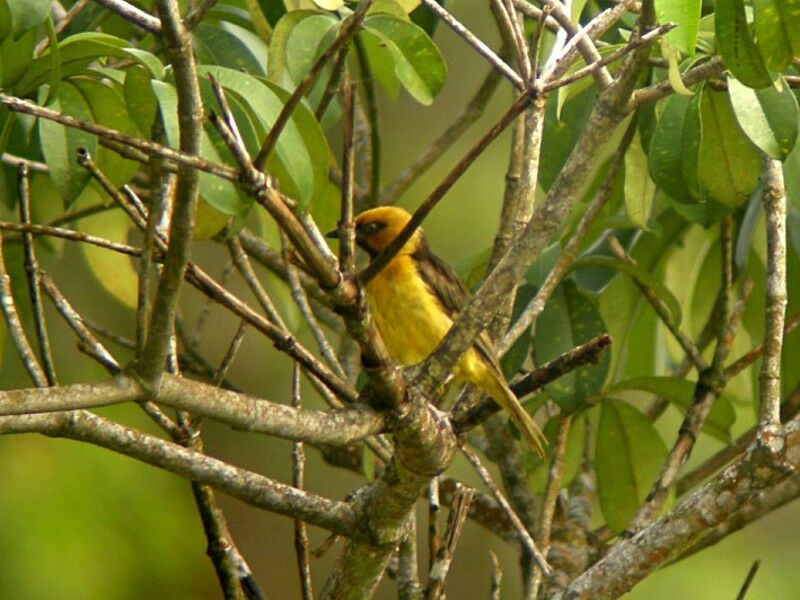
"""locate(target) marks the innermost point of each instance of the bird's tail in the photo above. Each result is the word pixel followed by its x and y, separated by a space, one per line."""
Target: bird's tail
pixel 501 394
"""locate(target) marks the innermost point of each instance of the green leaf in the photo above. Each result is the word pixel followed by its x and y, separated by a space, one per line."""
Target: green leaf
pixel 639 188
pixel 272 10
pixel 686 15
pixel 638 273
pixel 777 25
pixel 16 56
pixel 768 117
pixel 278 43
pixel 418 63
pixel 569 319
pixel 736 45
pixel 666 153
pixel 301 156
pixel 219 193
pixel 629 454
pixel 78 51
pixel 140 98
pixel 305 43
pixel 60 144
pixel 227 44
pixel 108 108
pixel 729 164
pixel 26 14
pixel 680 392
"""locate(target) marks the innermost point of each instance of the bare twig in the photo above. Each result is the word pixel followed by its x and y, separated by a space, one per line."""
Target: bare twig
pixel 528 317
pixel 748 580
pixel 148 147
pixel 775 310
pixel 524 536
pixel 247 486
pixel 477 44
pixel 32 273
pixel 298 466
pixel 444 556
pixel 14 326
pixel 346 225
pixel 467 417
pixel 61 24
pixel 132 14
pixel 150 361
pixel 471 113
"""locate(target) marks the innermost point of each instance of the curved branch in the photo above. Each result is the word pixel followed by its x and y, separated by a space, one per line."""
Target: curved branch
pixel 247 486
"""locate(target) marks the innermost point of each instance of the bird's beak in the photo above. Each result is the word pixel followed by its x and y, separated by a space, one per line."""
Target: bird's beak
pixel 333 234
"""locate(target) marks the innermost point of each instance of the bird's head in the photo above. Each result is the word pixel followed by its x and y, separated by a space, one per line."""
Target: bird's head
pixel 377 227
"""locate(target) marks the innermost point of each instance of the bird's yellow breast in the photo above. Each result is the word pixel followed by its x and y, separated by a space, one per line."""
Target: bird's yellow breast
pixel 408 316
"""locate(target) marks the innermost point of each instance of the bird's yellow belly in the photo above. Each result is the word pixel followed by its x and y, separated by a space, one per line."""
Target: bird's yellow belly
pixel 409 318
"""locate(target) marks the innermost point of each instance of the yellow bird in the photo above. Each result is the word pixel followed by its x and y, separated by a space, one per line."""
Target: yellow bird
pixel 414 300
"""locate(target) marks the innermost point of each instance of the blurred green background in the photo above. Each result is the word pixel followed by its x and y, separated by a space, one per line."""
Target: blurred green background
pixel 79 522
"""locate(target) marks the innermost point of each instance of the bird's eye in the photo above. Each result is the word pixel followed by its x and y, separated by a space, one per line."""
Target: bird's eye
pixel 372 227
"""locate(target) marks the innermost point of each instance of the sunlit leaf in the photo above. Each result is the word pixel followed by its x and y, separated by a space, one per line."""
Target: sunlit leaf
pixel 769 117
pixel 686 16
pixel 418 63
pixel 736 45
pixel 777 25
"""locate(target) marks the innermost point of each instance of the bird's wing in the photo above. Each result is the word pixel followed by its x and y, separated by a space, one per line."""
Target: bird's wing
pixel 447 288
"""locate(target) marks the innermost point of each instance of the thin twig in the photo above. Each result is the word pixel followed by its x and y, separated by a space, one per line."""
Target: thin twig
pixel 91 346
pixel 146 146
pixel 527 318
pixel 471 113
pixel 554 477
pixel 298 466
pixel 524 536
pixel 466 417
pixel 346 225
pixel 748 580
pixel 497 577
pixel 245 268
pixel 230 354
pixel 709 385
pixel 434 506
pixel 61 25
pixel 301 300
pixel 150 362
pixel 132 14
pixel 14 326
pixel 329 93
pixel 444 557
pixel 32 273
pixel 661 309
pixel 371 119
pixel 477 44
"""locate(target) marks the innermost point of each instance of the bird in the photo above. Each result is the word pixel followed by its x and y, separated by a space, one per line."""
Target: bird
pixel 414 300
